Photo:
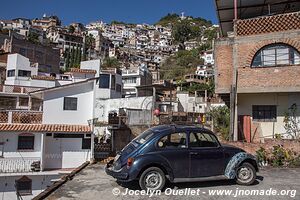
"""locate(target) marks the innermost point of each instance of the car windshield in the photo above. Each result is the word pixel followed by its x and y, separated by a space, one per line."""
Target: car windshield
pixel 145 136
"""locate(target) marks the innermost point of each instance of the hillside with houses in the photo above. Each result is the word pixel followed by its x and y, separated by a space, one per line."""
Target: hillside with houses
pixel 75 93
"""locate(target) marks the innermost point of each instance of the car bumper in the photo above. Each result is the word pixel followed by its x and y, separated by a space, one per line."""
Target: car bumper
pixel 117 174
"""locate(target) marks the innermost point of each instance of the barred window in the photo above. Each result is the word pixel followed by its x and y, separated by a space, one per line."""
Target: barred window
pixel 24 186
pixel 264 113
pixel 70 103
pixel 26 142
pixel 276 55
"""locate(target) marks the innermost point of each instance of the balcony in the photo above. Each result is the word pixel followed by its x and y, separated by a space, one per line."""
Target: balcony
pixel 267 24
pixel 17 89
pixel 16 165
pixel 21 117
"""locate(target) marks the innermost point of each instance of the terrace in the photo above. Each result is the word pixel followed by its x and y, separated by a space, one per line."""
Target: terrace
pixel 21 117
pixel 17 89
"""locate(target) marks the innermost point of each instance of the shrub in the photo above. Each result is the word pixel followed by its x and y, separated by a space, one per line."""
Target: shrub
pixel 261 155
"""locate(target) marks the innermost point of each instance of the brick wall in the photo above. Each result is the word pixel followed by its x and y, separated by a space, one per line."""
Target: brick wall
pixel 224 65
pixel 37 53
pixel 275 79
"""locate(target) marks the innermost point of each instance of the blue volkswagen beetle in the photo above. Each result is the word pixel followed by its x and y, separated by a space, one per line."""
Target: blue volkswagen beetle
pixel 180 154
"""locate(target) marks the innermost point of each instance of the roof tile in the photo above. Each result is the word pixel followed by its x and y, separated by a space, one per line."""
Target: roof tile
pixel 61 128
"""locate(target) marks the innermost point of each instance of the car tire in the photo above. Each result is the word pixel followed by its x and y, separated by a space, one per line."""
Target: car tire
pixel 245 174
pixel 153 178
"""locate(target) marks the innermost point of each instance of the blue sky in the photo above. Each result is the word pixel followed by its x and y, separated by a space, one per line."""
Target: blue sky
pixel 131 11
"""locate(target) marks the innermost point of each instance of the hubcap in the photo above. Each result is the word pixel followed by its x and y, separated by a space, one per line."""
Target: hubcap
pixel 153 180
pixel 244 174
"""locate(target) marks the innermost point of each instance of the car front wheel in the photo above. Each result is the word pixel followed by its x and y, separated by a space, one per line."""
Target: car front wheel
pixel 245 174
pixel 152 178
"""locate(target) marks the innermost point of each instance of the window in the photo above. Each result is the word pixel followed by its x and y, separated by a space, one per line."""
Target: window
pixel 11 73
pixel 276 55
pixel 104 81
pixel 113 82
pixel 23 101
pixel 175 140
pixel 24 186
pixel 26 142
pixel 22 51
pixel 86 143
pixel 265 113
pixel 119 88
pixel 145 136
pixel 129 80
pixel 39 54
pixel 70 103
pixel 202 140
pixel 24 73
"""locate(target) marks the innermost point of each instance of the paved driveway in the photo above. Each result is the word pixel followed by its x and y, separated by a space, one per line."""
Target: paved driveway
pixel 93 183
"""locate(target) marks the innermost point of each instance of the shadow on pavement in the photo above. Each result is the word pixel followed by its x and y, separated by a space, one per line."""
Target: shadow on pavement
pixel 135 185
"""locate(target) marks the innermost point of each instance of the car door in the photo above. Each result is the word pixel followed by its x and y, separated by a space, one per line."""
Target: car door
pixel 173 149
pixel 206 155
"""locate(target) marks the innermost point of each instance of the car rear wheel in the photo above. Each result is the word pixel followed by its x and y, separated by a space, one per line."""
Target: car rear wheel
pixel 245 174
pixel 152 178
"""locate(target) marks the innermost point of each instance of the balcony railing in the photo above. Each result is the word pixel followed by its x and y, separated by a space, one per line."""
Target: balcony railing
pixel 17 89
pixel 16 165
pixel 21 117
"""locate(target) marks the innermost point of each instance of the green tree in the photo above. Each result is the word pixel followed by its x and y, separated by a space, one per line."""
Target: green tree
pixel 168 19
pixel 89 42
pixel 71 29
pixel 180 64
pixel 33 37
pixel 110 63
pixel 181 33
pixel 67 59
pixel 221 120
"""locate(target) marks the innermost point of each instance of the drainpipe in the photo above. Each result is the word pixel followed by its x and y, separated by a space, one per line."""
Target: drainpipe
pixel 235 10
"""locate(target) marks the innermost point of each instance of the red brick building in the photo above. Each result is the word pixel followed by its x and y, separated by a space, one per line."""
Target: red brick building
pixel 257 64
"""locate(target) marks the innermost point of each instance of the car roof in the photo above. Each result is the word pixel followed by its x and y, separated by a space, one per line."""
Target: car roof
pixel 173 128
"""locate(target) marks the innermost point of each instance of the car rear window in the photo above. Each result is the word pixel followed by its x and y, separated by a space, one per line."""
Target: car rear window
pixel 144 137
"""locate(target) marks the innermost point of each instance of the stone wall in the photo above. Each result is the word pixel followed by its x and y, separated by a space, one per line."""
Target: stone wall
pixel 293 145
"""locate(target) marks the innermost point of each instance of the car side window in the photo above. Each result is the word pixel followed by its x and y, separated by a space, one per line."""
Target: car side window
pixel 198 139
pixel 174 140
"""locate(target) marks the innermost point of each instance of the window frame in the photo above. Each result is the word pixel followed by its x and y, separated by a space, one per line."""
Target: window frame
pixel 256 109
pixel 113 82
pixel 24 73
pixel 65 108
pixel 291 50
pixel 11 73
pixel 86 143
pixel 20 147
pixel 174 148
pixel 107 84
pixel 203 132
pixel 24 179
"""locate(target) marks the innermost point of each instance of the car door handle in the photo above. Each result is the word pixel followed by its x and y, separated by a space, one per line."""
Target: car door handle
pixel 193 153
